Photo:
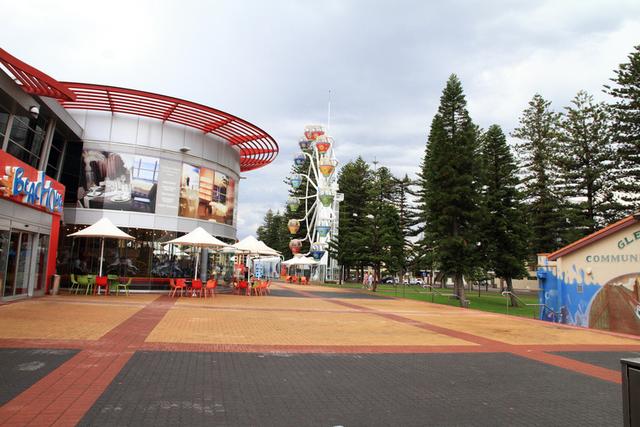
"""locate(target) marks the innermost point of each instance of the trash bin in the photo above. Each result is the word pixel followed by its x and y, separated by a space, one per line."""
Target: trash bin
pixel 631 392
pixel 55 284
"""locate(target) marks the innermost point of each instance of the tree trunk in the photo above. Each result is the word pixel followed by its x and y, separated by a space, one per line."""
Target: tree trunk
pixel 512 299
pixel 458 284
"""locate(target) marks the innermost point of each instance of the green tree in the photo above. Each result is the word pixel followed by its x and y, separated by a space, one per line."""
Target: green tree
pixel 586 161
pixel 626 127
pixel 537 150
pixel 354 180
pixel 504 231
pixel 450 193
pixel 273 231
pixel 407 219
pixel 383 239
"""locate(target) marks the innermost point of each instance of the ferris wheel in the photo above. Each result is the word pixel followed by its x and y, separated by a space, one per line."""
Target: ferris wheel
pixel 318 205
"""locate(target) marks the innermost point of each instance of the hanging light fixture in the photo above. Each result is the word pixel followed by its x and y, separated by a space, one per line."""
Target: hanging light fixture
pixel 293 225
pixel 295 245
pixel 305 144
pixel 322 144
pixel 293 203
pixel 327 166
pixel 299 159
pixel 296 181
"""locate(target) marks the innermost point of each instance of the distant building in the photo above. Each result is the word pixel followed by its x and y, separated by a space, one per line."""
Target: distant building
pixel 595 281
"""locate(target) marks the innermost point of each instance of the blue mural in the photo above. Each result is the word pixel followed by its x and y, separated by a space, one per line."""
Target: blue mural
pixel 566 301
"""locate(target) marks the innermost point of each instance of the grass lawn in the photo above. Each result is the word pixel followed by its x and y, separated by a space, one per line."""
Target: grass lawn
pixel 491 301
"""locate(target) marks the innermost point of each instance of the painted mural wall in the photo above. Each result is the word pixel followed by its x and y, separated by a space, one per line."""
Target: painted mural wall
pixel 596 286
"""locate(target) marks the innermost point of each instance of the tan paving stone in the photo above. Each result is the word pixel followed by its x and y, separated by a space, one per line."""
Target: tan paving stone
pixel 209 326
pixel 67 318
pixel 512 330
pixel 261 302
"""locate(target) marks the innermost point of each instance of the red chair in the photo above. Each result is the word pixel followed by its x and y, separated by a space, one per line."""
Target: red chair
pixel 210 288
pixel 240 287
pixel 304 281
pixel 179 285
pixel 196 287
pixel 102 282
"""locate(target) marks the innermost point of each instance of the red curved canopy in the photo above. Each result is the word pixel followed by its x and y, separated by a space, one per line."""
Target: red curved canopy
pixel 33 80
pixel 257 148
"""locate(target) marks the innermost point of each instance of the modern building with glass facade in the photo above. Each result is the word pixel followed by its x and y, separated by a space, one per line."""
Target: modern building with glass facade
pixel 156 166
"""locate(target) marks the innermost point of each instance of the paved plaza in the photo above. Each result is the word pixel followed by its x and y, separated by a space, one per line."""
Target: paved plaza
pixel 302 356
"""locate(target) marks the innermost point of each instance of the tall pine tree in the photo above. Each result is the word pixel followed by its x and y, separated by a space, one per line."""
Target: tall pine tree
pixel 505 233
pixel 537 151
pixel 450 188
pixel 586 162
pixel 354 180
pixel 626 114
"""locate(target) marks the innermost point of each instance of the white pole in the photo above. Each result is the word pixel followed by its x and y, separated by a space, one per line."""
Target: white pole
pixel 197 262
pixel 101 256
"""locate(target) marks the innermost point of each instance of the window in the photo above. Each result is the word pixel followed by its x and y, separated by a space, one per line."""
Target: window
pixel 55 155
pixel 26 139
pixel 145 169
pixel 4 118
pixel 220 194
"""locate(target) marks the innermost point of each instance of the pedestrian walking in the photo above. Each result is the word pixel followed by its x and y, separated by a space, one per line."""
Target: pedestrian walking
pixel 365 280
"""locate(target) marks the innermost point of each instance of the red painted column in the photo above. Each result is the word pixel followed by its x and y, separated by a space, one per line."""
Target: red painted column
pixel 54 236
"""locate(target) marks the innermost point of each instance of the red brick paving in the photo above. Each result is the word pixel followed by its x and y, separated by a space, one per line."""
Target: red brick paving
pixel 66 394
pixel 495 346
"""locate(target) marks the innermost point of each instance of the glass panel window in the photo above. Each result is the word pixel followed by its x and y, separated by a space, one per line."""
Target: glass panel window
pixel 41 267
pixel 55 155
pixel 4 257
pixel 4 118
pixel 26 139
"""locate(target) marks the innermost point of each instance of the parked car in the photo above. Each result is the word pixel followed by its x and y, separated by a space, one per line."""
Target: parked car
pixel 388 280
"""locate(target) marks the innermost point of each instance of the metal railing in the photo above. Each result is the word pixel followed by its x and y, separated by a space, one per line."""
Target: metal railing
pixel 433 291
pixel 509 293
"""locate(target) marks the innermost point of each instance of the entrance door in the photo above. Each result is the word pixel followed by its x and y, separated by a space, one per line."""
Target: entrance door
pixel 18 264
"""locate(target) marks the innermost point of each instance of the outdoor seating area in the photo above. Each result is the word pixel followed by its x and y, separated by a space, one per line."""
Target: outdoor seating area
pixel 301 280
pixel 91 284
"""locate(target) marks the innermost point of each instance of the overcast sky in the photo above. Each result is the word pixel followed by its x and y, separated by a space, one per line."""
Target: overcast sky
pixel 385 62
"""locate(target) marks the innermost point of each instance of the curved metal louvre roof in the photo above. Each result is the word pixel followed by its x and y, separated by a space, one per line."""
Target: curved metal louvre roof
pixel 257 148
pixel 32 80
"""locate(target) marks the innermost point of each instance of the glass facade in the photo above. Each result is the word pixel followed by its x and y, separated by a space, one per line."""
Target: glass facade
pixel 19 251
pixel 148 258
pixel 27 138
pixel 55 155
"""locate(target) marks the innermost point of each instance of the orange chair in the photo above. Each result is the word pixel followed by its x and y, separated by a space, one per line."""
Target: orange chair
pixel 304 281
pixel 196 287
pixel 258 289
pixel 179 285
pixel 210 288
pixel 102 282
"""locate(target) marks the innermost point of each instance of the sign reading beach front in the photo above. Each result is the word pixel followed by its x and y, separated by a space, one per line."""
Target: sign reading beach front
pixel 26 185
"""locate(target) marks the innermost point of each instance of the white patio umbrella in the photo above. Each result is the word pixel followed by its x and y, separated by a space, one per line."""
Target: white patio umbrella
pixel 104 229
pixel 253 246
pixel 303 260
pixel 198 238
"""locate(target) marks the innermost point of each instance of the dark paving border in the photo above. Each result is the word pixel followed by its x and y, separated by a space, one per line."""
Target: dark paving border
pixel 21 368
pixel 604 359
pixel 175 388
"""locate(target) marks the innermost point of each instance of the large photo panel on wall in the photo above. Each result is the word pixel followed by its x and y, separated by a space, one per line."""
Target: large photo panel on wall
pixel 118 181
pixel 206 194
